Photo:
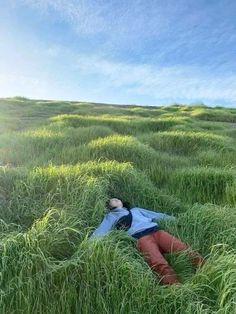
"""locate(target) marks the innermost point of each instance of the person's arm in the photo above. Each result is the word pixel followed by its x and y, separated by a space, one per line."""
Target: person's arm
pixel 104 227
pixel 155 215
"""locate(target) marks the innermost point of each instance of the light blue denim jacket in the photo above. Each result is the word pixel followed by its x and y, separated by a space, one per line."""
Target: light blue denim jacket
pixel 142 219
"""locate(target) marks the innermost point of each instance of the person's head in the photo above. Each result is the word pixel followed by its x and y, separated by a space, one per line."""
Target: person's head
pixel 117 203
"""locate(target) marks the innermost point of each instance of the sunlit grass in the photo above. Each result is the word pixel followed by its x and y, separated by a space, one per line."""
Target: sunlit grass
pixel 126 124
pixel 215 115
pixel 185 143
pixel 60 164
pixel 202 184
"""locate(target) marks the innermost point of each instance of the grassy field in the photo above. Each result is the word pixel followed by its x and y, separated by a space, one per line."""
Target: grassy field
pixel 60 161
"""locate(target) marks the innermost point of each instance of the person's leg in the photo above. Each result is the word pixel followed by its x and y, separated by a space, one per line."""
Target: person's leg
pixel 149 248
pixel 168 243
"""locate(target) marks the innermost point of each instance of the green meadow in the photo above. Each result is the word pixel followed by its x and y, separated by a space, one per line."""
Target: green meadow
pixel 59 163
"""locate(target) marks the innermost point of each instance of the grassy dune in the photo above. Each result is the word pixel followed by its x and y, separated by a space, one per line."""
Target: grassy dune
pixel 60 161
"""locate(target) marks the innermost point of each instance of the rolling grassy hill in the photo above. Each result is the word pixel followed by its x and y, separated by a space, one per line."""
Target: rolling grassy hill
pixel 61 161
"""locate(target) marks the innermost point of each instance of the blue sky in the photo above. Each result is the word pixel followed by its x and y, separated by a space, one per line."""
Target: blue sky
pixel 142 52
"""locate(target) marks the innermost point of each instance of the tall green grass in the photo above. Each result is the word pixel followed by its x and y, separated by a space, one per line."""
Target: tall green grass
pixel 56 269
pixel 185 143
pixel 202 184
pixel 122 124
pixel 224 115
pixel 82 188
pixel 43 144
pixel 58 167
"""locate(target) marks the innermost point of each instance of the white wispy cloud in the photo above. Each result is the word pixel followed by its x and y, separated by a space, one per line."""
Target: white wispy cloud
pixel 85 16
pixel 146 49
pixel 149 28
pixel 124 18
pixel 150 17
pixel 175 82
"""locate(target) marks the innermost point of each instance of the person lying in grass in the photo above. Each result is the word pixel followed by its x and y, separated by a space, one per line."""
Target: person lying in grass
pixel 152 241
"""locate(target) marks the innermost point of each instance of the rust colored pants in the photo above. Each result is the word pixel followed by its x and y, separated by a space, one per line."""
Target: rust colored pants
pixel 154 244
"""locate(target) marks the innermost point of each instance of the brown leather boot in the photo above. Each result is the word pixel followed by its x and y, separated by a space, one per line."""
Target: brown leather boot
pixel 196 259
pixel 167 275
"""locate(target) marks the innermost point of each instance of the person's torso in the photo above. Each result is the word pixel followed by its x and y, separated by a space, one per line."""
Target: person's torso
pixel 139 221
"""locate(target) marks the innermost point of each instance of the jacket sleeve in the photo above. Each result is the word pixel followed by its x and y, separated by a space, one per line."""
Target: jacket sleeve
pixel 104 227
pixel 154 215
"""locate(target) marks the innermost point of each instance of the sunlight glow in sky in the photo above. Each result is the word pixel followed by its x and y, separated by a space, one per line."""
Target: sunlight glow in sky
pixel 148 52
